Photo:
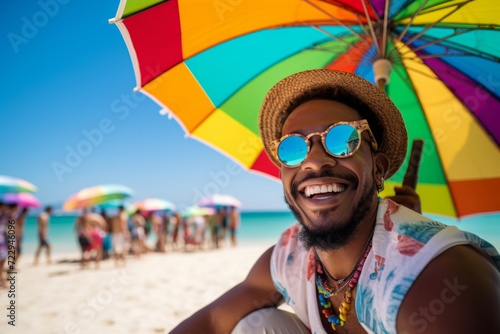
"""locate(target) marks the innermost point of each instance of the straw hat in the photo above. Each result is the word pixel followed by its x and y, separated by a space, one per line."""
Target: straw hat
pixel 392 137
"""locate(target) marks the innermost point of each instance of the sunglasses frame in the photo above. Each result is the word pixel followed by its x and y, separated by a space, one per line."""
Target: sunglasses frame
pixel 359 126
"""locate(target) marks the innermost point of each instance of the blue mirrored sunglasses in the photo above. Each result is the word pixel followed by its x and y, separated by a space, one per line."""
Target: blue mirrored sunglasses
pixel 340 140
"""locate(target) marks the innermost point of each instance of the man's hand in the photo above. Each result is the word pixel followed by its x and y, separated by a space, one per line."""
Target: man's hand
pixel 407 196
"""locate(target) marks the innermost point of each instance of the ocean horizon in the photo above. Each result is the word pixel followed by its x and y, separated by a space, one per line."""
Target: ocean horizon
pixel 255 227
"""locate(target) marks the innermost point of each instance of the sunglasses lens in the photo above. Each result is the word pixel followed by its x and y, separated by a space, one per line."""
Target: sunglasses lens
pixel 292 150
pixel 342 139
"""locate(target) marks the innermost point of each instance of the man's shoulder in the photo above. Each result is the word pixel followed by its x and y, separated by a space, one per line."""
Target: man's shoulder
pixel 453 281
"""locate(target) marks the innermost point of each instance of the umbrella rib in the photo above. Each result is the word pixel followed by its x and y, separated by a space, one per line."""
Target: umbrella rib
pixel 384 34
pixel 412 18
pixel 437 7
pixel 333 18
pixel 370 24
pixel 456 33
pixel 361 25
pixel 428 27
pixel 366 35
pixel 434 71
pixel 373 10
pixel 438 55
pixel 405 79
pixel 434 77
pixel 324 49
pixel 465 51
pixel 323 31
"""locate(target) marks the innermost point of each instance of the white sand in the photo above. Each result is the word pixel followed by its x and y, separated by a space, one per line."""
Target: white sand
pixel 149 295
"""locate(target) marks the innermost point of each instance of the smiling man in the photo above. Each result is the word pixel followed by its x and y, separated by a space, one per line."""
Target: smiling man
pixel 353 263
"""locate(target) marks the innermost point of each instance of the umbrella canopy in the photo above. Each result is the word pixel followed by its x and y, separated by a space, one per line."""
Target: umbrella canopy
pixel 95 195
pixel 113 204
pixel 196 211
pixel 25 200
pixel 210 66
pixel 218 200
pixel 153 204
pixel 9 184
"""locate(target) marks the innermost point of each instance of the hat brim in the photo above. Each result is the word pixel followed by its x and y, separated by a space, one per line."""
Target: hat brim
pixel 394 138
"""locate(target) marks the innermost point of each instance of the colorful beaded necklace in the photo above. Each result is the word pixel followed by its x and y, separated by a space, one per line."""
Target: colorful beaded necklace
pixel 325 290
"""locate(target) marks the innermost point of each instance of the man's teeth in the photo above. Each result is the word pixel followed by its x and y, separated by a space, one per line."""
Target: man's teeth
pixel 323 189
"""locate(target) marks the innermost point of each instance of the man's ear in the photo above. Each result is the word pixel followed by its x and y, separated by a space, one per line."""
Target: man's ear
pixel 382 164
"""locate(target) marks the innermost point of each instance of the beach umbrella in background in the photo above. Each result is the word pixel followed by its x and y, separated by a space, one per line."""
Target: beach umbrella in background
pixel 196 211
pixel 113 204
pixel 209 64
pixel 153 204
pixel 9 184
pixel 218 200
pixel 25 200
pixel 95 195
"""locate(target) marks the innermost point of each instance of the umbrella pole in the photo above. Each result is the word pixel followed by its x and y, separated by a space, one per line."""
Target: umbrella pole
pixel 382 70
pixel 381 84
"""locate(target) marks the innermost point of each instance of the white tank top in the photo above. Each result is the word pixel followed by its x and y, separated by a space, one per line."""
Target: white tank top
pixel 404 242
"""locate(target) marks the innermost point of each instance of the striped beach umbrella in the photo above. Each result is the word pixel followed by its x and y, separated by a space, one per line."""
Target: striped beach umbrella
pixel 210 63
pixel 95 195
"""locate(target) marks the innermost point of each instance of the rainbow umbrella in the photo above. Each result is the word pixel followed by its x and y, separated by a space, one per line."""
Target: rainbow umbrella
pixel 25 200
pixel 210 63
pixel 196 211
pixel 95 195
pixel 153 204
pixel 219 200
pixel 9 184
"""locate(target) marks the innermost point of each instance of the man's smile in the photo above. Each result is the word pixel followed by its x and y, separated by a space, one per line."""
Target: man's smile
pixel 320 190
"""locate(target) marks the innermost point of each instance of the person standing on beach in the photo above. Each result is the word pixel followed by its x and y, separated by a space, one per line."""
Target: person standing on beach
pixel 353 262
pixel 19 231
pixel 43 233
pixel 176 222
pixel 215 226
pixel 234 224
pixel 138 235
pixel 83 234
pixel 120 235
pixel 224 225
pixel 157 225
pixel 106 245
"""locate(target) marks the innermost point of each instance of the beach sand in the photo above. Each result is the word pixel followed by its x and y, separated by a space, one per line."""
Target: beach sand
pixel 148 295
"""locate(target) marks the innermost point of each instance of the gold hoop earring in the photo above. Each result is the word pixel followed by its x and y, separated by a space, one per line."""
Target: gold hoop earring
pixel 380 187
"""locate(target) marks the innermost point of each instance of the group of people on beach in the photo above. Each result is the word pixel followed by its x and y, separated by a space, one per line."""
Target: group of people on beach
pixel 12 223
pixel 101 236
pixel 129 233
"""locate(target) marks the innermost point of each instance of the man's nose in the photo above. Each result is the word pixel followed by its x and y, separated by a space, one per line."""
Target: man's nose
pixel 317 157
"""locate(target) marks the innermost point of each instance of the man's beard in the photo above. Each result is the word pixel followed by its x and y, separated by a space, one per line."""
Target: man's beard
pixel 337 233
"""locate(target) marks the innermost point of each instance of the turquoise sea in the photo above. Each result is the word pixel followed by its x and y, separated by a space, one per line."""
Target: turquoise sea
pixel 261 227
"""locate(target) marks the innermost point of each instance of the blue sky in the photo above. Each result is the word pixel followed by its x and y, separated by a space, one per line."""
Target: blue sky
pixel 70 118
pixel 67 77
